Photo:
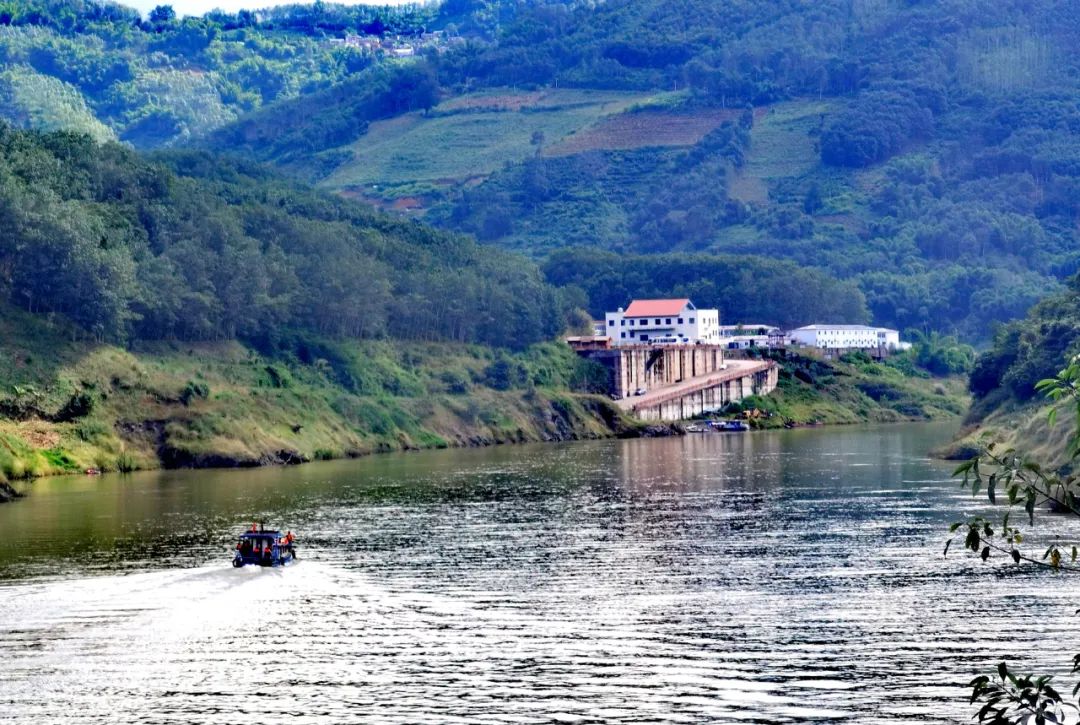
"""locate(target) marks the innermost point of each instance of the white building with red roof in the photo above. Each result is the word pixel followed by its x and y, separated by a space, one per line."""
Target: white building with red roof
pixel 663 322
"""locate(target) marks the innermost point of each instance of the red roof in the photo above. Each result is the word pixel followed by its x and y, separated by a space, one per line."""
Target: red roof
pixel 655 308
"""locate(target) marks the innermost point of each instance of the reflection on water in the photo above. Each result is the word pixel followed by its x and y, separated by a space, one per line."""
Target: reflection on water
pixel 780 577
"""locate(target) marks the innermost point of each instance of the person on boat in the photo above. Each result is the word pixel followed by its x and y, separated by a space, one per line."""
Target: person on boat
pixel 254 528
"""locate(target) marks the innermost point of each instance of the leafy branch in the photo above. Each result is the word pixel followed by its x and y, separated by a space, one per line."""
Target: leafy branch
pixel 1012 699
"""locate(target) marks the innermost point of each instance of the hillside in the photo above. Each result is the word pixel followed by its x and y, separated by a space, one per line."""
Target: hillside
pixel 192 248
pixel 1007 407
pixel 158 81
pixel 923 151
pixel 68 406
pixel 185 311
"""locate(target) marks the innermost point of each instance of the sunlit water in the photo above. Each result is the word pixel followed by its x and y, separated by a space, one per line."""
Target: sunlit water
pixel 770 577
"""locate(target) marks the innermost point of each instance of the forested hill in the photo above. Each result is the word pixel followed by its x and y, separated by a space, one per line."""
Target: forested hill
pixel 190 247
pixel 100 68
pixel 926 153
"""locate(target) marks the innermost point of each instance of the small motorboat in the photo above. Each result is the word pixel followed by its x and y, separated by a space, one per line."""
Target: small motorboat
pixel 729 425
pixel 264 547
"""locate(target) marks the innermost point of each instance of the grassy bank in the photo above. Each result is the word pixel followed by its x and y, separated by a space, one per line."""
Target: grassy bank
pixel 855 389
pixel 68 405
pixel 1019 425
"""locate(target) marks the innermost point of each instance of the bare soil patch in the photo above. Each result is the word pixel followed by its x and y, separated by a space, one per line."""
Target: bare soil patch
pixel 642 130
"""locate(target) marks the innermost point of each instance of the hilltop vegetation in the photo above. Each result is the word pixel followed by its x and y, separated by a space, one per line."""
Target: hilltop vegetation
pixel 162 80
pixel 185 311
pixel 188 247
pixel 925 152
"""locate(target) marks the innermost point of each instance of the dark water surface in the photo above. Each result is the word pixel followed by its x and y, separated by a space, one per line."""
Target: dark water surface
pixel 779 577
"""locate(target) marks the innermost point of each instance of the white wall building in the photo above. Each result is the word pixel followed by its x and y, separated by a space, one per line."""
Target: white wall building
pixel 743 336
pixel 847 336
pixel 663 322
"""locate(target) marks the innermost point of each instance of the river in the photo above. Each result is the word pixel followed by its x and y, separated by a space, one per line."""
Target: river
pixel 790 576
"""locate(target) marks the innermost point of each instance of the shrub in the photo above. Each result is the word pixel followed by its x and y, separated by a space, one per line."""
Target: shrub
pixel 79 405
pixel 91 431
pixel 195 390
pixel 125 462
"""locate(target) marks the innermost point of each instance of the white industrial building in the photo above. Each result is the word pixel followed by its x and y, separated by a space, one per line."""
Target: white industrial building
pixel 663 322
pixel 747 335
pixel 859 337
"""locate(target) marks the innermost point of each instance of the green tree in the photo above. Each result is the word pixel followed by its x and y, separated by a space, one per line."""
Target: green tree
pixel 162 15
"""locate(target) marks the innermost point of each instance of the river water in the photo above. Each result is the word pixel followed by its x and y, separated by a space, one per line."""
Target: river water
pixel 790 576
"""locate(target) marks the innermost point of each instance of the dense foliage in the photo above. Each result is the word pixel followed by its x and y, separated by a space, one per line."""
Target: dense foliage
pixel 301 128
pixel 163 79
pixel 972 223
pixel 1029 350
pixel 193 248
pixel 925 152
pixel 745 289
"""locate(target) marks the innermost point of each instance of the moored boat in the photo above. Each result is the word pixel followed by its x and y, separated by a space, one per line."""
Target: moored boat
pixel 730 425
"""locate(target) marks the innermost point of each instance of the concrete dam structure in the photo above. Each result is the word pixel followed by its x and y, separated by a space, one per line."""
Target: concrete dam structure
pixel 680 381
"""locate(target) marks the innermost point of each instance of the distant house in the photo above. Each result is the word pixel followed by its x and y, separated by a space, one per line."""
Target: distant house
pixel 353 40
pixel 850 337
pixel 403 52
pixel 660 322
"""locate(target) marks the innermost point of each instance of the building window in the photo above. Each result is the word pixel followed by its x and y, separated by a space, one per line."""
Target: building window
pixel 622 335
pixel 658 320
pixel 611 323
pixel 691 320
pixel 667 321
pixel 622 323
pixel 680 320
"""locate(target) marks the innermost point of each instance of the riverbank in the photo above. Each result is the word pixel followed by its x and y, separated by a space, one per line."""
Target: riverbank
pixel 853 389
pixel 1023 426
pixel 77 405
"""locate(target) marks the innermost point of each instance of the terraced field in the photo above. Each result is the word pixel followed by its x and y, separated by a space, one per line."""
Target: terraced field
pixel 642 130
pixel 468 137
pixel 781 147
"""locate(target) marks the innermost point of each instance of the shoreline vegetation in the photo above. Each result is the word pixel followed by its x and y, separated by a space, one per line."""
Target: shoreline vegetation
pixel 68 406
pixel 78 405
